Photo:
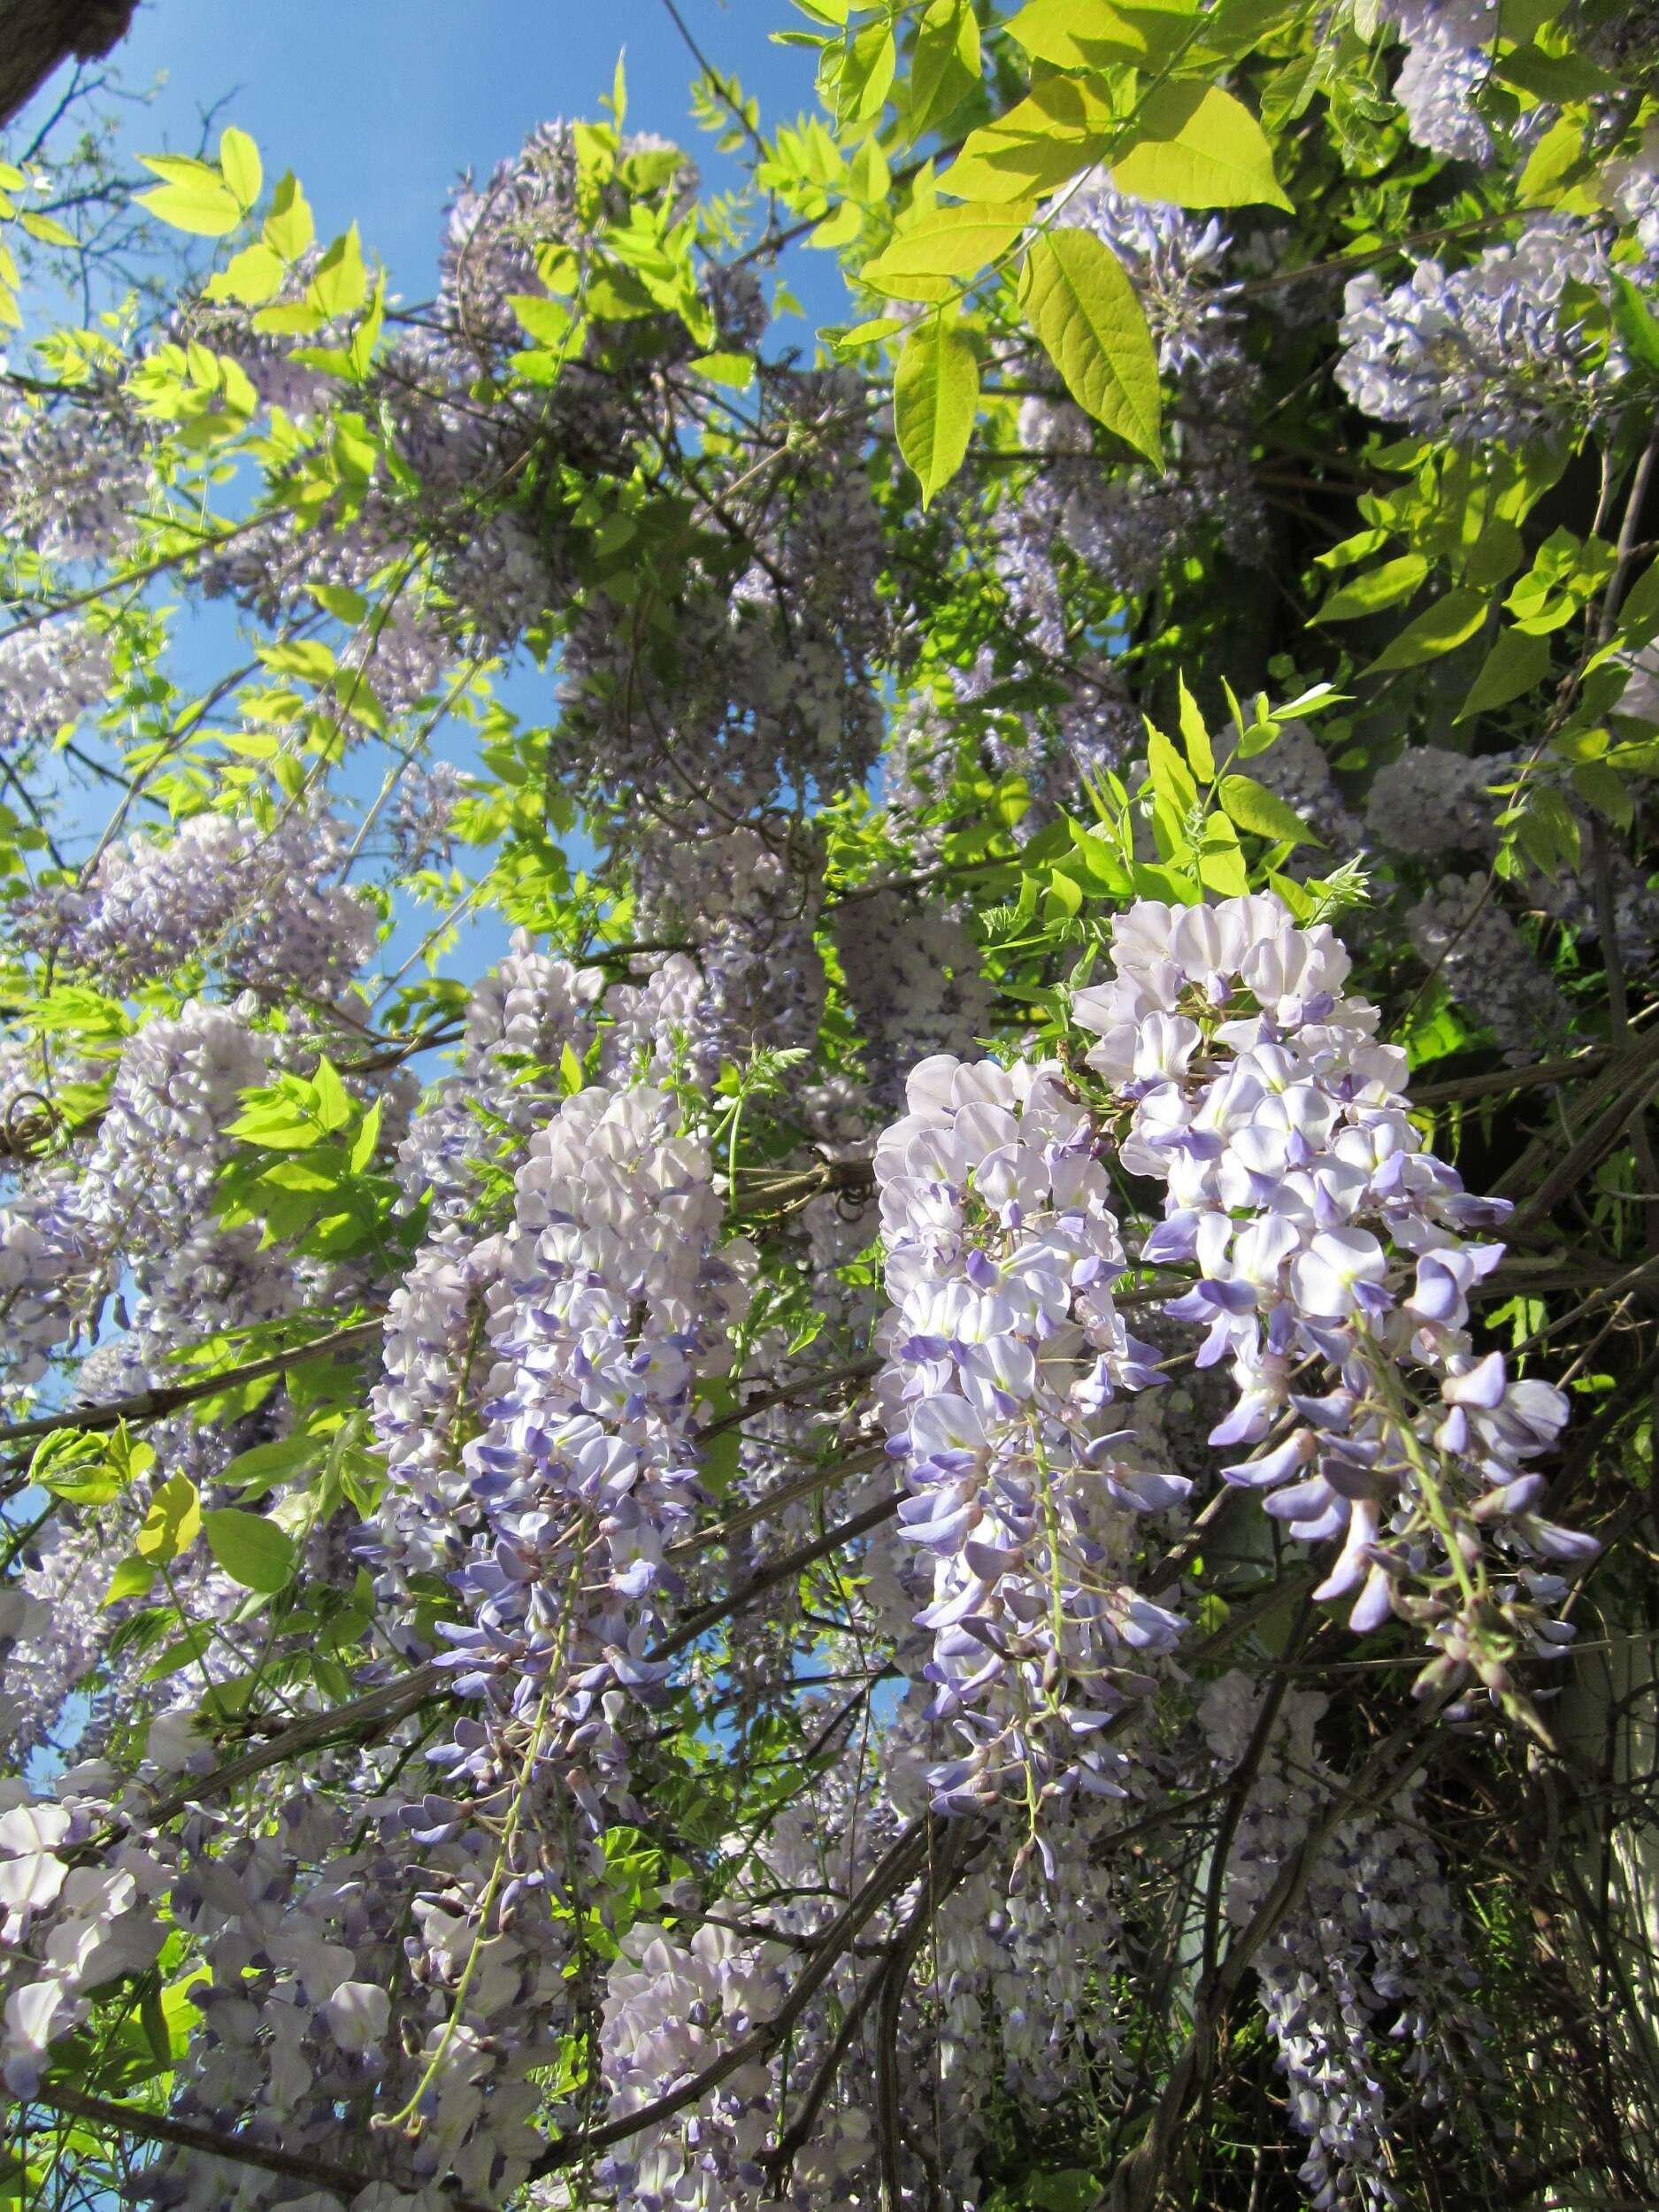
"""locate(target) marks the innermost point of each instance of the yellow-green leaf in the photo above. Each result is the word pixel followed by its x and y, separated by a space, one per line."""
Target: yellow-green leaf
pixel 1094 34
pixel 1604 789
pixel 172 1523
pixel 341 282
pixel 548 321
pixel 47 229
pixel 253 276
pixel 1046 138
pixel 1379 587
pixel 1253 808
pixel 251 1549
pixel 1513 667
pixel 1199 147
pixel 736 370
pixel 1082 306
pixel 1450 622
pixel 935 397
pixel 239 160
pixel 288 228
pixel 1194 735
pixel 951 242
pixel 207 210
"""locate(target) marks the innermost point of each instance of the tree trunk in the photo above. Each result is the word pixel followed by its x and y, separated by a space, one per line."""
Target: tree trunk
pixel 36 35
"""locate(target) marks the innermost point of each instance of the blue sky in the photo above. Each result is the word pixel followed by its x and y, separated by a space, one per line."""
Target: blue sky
pixel 380 105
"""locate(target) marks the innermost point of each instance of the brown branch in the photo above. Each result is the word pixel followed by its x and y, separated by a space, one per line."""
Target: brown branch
pixel 241 2149
pixel 898 1867
pixel 152 1405
pixel 697 1623
pixel 1133 2186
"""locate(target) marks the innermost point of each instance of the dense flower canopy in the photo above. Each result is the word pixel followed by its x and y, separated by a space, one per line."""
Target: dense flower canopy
pixel 864 1418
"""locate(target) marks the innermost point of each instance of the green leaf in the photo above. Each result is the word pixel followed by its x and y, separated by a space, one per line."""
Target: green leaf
pixel 288 228
pixel 254 276
pixel 133 1579
pixel 1199 147
pixel 1047 138
pixel 1194 736
pixel 265 1463
pixel 207 210
pixel 363 1144
pixel 1170 777
pixel 333 1102
pixel 251 1549
pixel 944 64
pixel 239 161
pixel 1378 587
pixel 1257 809
pixel 1515 663
pixel 548 321
pixel 47 229
pixel 1634 320
pixel 1450 622
pixel 172 1523
pixel 734 369
pixel 948 242
pixel 935 398
pixel 1094 34
pixel 1604 789
pixel 1556 78
pixel 1221 859
pixel 341 282
pixel 1082 306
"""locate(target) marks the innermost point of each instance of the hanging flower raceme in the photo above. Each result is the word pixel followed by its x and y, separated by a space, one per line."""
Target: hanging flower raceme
pixel 1334 1270
pixel 616 1299
pixel 1004 1352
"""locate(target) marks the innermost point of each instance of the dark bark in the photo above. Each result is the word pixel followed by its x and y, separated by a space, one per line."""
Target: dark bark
pixel 37 36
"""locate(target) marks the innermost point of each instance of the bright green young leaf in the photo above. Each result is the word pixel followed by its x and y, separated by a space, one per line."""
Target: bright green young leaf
pixel 1256 808
pixel 1513 667
pixel 1082 306
pixel 333 1102
pixel 1061 128
pixel 1450 622
pixel 1194 736
pixel 207 210
pixel 341 282
pixel 288 228
pixel 239 164
pixel 1172 778
pixel 172 1523
pixel 363 1145
pixel 935 397
pixel 1603 788
pixel 736 371
pixel 265 1463
pixel 867 73
pixel 1634 322
pixel 1221 866
pixel 950 242
pixel 945 64
pixel 548 321
pixel 133 1579
pixel 1094 34
pixel 47 229
pixel 254 276
pixel 1379 587
pixel 1199 147
pixel 251 1549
